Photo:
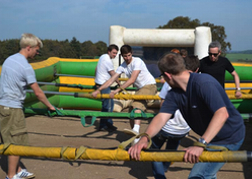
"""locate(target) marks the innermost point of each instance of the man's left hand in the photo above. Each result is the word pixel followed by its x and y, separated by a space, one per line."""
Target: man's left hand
pixel 112 94
pixel 238 94
pixel 192 154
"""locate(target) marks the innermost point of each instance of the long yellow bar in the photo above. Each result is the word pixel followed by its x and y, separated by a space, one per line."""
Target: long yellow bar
pixel 118 154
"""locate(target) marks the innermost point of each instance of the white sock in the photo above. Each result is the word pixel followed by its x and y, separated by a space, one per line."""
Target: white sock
pixel 136 128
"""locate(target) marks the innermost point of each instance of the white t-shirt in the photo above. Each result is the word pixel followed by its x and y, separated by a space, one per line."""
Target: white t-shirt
pixel 143 78
pixel 104 65
pixel 176 125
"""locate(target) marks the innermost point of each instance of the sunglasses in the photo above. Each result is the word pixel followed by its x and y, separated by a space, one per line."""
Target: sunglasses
pixel 214 54
pixel 39 52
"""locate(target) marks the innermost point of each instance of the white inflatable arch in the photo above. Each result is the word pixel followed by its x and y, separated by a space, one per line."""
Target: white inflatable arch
pixel 199 38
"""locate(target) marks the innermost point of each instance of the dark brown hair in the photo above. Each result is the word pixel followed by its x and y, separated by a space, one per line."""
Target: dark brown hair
pixel 172 63
pixel 125 49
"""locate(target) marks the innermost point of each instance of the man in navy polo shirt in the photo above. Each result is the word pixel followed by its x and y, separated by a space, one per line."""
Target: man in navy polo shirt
pixel 205 107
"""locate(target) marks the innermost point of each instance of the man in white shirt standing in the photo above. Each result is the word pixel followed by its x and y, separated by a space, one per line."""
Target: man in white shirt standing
pixel 103 72
pixel 138 74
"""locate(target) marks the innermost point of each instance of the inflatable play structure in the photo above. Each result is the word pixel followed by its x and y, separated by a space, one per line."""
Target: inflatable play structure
pixel 199 38
pixel 63 79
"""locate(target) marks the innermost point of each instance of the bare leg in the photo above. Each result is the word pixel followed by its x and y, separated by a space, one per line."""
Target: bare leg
pixel 13 164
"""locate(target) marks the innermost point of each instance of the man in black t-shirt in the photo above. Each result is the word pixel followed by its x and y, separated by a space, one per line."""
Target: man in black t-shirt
pixel 216 66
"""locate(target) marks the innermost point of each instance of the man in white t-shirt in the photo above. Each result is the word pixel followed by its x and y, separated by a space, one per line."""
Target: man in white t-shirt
pixel 104 70
pixel 138 74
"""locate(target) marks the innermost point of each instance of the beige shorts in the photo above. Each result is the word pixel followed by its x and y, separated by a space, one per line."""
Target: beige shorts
pixel 12 126
pixel 145 90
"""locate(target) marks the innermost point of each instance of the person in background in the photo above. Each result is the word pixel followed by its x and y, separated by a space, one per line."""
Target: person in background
pixel 183 53
pixel 216 66
pixel 174 130
pixel 103 72
pixel 206 108
pixel 16 74
pixel 138 74
pixel 175 51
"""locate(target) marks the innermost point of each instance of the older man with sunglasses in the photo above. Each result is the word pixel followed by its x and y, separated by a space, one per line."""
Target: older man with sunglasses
pixel 216 66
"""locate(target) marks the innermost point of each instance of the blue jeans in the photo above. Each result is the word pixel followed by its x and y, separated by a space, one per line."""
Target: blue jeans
pixel 107 106
pixel 159 168
pixel 209 170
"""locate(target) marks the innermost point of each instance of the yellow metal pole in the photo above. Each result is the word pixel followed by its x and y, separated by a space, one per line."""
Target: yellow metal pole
pixel 118 154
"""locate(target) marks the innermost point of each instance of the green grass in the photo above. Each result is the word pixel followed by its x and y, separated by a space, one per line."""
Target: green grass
pixel 239 57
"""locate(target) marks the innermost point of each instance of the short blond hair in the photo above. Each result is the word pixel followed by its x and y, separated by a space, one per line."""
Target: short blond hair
pixel 30 40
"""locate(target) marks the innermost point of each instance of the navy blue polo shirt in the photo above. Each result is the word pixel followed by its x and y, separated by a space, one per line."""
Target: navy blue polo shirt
pixel 203 97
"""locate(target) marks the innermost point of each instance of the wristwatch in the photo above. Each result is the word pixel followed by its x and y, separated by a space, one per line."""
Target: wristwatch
pixel 201 140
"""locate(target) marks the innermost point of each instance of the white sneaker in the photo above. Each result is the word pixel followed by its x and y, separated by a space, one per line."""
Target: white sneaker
pixel 130 132
pixel 24 174
pixel 14 177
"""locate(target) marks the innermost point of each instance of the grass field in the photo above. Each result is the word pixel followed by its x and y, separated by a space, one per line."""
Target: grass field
pixel 239 57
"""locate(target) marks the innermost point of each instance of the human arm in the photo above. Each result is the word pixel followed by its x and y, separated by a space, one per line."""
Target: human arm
pixel 41 96
pixel 155 126
pixel 163 92
pixel 219 118
pixel 238 93
pixel 106 84
pixel 112 72
pixel 95 70
pixel 161 103
pixel 129 82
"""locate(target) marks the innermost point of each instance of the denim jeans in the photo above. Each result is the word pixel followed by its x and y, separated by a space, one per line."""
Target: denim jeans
pixel 159 168
pixel 209 170
pixel 107 106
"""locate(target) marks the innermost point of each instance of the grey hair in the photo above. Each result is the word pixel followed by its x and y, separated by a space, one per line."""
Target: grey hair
pixel 215 44
pixel 30 40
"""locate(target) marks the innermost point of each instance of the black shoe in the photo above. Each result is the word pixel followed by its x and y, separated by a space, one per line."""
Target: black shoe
pixel 111 128
pixel 105 128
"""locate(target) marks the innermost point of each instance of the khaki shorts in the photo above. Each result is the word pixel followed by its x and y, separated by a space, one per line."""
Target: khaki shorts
pixel 12 126
pixel 145 90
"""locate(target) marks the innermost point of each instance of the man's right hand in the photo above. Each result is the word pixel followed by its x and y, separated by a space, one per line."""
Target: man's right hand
pixel 238 94
pixel 135 150
pixel 95 93
pixel 52 108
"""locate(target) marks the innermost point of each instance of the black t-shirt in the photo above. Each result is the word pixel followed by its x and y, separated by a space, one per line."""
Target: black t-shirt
pixel 216 69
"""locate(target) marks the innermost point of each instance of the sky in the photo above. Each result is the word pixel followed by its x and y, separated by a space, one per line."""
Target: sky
pixel 91 19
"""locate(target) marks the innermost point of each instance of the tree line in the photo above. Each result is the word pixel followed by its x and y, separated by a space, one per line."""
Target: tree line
pixel 54 48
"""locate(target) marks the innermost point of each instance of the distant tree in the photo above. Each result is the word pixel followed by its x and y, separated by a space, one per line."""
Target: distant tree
pixel 218 32
pixel 181 23
pixel 55 48
pixel 66 50
pixel 101 47
pixel 76 47
pixel 7 48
